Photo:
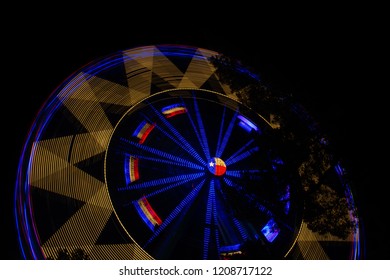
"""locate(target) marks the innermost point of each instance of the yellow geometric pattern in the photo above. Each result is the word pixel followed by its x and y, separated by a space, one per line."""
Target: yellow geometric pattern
pixel 53 160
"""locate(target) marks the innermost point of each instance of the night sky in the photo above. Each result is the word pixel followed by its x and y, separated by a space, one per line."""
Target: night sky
pixel 322 60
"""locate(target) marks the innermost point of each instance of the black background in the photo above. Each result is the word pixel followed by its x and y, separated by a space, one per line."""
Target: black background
pixel 326 57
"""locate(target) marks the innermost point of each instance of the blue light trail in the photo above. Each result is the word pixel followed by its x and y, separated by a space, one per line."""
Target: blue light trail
pixel 162 154
pixel 162 181
pixel 227 135
pixel 179 210
pixel 180 140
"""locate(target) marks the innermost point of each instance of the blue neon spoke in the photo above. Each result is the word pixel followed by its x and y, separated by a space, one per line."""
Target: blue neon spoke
pixel 235 230
pixel 240 150
pixel 208 220
pixel 206 241
pixel 217 243
pixel 196 132
pixel 264 209
pixel 202 142
pixel 202 131
pixel 169 187
pixel 162 181
pixel 186 147
pixel 226 137
pixel 241 173
pixel 241 156
pixel 229 182
pixel 256 204
pixel 162 154
pixel 169 162
pixel 221 130
pixel 179 140
pixel 210 203
pixel 240 228
pixel 180 209
pixel 215 217
pixel 211 220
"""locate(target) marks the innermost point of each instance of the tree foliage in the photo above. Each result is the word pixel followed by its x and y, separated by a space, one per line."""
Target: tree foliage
pixel 327 209
pixel 246 86
pixel 328 212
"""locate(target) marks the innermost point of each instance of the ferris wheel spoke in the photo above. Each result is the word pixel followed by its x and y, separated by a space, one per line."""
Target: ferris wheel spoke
pixel 170 162
pixel 250 200
pixel 240 228
pixel 221 130
pixel 271 210
pixel 240 150
pixel 236 223
pixel 175 136
pixel 160 182
pixel 210 221
pixel 171 186
pixel 242 156
pixel 241 173
pixel 169 158
pixel 227 134
pixel 200 133
pixel 180 209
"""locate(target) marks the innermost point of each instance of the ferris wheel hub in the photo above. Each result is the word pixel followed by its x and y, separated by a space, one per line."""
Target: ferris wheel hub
pixel 217 166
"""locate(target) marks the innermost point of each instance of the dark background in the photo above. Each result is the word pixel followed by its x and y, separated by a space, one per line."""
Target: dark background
pixel 326 58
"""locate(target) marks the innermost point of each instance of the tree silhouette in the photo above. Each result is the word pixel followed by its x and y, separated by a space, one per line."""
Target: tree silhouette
pixel 318 161
pixel 247 87
pixel 327 209
pixel 329 212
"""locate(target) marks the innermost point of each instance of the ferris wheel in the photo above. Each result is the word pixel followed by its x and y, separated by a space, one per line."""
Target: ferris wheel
pixel 150 153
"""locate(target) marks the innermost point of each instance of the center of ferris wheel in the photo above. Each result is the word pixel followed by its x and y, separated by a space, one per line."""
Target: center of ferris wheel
pixel 217 166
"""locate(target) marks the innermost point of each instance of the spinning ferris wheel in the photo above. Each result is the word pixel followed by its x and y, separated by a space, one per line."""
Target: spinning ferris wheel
pixel 151 154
